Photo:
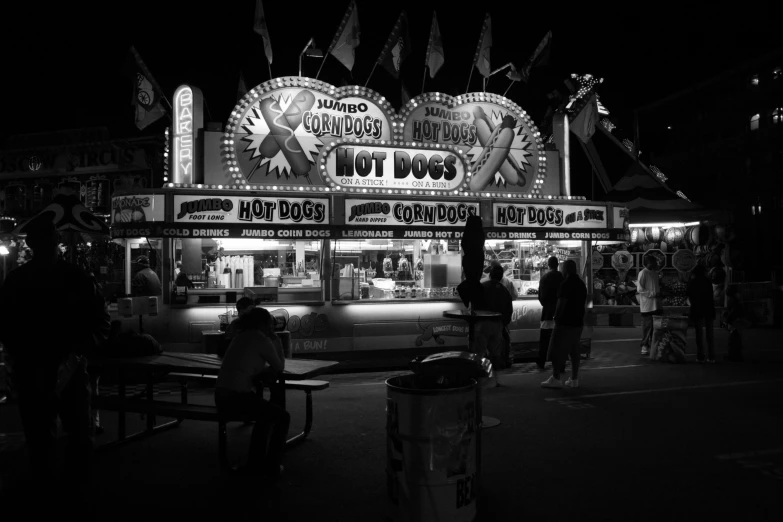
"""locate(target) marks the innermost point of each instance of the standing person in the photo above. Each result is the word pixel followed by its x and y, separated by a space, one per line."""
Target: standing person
pixel 146 281
pixel 650 303
pixel 734 317
pixel 489 333
pixel 547 296
pixel 702 311
pixel 253 349
pixel 512 290
pixel 41 348
pixel 569 321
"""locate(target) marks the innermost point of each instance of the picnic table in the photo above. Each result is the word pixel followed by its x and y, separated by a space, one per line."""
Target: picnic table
pixel 193 365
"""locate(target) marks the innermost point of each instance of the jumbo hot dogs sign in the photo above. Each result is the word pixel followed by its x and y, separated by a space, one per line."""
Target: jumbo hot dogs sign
pixel 300 132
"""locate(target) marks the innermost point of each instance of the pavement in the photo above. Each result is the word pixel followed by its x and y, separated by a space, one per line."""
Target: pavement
pixel 638 440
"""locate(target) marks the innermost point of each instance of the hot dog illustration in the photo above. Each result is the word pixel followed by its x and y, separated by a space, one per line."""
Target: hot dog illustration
pixel 510 169
pixel 283 134
pixel 494 154
pixel 302 102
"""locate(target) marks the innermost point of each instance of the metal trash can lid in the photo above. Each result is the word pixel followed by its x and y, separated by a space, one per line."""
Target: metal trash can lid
pixel 453 365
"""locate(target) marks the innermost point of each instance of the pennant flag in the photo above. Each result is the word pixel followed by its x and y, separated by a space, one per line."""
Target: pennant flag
pixel 435 56
pixel 539 57
pixel 147 94
pixel 397 48
pixel 259 26
pixel 406 98
pixel 513 74
pixel 241 88
pixel 346 40
pixel 481 59
pixel 584 123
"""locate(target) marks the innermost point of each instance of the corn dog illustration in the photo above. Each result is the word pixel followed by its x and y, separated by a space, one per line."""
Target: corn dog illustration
pixel 494 154
pixel 302 102
pixel 510 169
pixel 283 134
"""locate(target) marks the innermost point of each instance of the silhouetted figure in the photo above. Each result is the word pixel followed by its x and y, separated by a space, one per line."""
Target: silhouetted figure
pixel 569 321
pixel 253 349
pixel 489 333
pixel 547 296
pixel 39 342
pixel 472 244
pixel 508 360
pixel 244 305
pixel 734 317
pixel 702 312
pixel 146 281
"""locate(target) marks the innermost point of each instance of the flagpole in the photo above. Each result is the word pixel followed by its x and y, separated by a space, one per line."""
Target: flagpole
pixel 423 79
pixel 469 78
pixel 322 65
pixel 509 86
pixel 373 70
pixel 270 69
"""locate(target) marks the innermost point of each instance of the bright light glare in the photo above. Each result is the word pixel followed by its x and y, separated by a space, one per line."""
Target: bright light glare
pixel 4 250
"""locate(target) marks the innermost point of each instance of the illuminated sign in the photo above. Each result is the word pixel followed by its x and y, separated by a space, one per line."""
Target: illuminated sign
pixel 408 213
pixel 501 145
pixel 266 210
pixel 137 208
pixel 371 166
pixel 549 216
pixel 188 119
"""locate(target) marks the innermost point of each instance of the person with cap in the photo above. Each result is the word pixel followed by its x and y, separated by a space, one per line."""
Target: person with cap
pixel 48 355
pixel 146 281
pixel 489 333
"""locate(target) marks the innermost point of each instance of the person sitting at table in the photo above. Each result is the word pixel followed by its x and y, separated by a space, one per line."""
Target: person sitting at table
pixel 253 348
pixel 244 305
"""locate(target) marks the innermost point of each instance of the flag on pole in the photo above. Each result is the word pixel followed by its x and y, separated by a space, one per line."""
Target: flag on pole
pixel 513 74
pixel 397 48
pixel 405 97
pixel 435 57
pixel 147 94
pixel 481 59
pixel 259 26
pixel 539 57
pixel 346 40
pixel 242 87
pixel 584 123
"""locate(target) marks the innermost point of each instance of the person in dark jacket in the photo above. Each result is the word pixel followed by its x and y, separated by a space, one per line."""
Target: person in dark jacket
pixel 547 296
pixel 146 281
pixel 702 312
pixel 489 333
pixel 75 323
pixel 569 321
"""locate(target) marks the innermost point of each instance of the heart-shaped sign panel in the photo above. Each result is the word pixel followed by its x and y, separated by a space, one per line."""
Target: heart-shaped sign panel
pixel 501 143
pixel 276 132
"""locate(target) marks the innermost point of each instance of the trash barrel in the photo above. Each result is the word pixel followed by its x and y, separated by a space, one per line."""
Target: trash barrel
pixel 433 439
pixel 668 338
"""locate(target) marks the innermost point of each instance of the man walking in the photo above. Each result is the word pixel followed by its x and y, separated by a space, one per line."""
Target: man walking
pixel 42 344
pixel 547 296
pixel 649 300
pixel 569 321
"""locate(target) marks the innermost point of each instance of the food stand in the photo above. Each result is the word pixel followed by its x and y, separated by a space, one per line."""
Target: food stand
pixel 327 206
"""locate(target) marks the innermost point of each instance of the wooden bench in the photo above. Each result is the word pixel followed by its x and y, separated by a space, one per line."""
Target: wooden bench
pixel 199 412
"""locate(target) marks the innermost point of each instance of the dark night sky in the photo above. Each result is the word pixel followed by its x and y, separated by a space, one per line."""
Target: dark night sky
pixel 61 63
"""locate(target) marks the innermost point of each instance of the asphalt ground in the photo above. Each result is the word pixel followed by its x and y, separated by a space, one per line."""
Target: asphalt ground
pixel 637 440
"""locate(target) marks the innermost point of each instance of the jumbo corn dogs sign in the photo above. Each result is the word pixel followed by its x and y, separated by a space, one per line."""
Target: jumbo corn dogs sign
pixel 300 132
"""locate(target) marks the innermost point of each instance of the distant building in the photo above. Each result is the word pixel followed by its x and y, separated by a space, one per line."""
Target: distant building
pixel 723 139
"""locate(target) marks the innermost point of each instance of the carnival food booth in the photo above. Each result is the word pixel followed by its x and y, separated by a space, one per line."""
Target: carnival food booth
pixel 344 217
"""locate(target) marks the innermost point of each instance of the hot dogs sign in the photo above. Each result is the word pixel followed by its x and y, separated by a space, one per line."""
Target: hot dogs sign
pixel 305 133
